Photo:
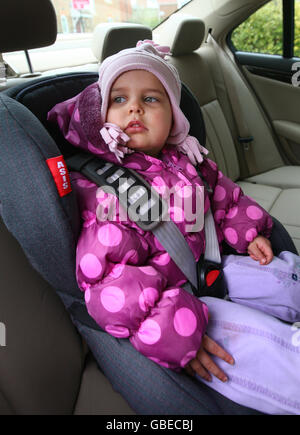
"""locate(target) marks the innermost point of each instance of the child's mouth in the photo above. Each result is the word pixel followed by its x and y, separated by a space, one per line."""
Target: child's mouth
pixel 135 127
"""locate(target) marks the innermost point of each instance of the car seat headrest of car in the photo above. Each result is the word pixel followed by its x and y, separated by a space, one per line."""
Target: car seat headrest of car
pixel 27 24
pixel 182 33
pixel 42 220
pixel 110 38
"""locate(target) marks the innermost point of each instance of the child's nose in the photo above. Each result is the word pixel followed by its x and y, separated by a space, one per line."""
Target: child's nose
pixel 135 107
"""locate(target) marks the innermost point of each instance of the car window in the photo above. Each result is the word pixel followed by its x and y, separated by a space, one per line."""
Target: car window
pixel 262 32
pixel 76 20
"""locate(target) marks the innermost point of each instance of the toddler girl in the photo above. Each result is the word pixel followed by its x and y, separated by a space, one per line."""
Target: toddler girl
pixel 132 287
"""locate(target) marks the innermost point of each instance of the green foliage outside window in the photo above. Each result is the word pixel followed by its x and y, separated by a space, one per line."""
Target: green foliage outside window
pixel 262 31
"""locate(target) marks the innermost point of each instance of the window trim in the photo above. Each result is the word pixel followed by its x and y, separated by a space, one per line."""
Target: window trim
pixel 288 13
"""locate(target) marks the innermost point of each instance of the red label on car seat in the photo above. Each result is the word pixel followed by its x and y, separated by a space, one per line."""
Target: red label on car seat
pixel 60 174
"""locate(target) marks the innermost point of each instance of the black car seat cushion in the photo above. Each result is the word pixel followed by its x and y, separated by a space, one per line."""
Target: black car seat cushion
pixel 31 208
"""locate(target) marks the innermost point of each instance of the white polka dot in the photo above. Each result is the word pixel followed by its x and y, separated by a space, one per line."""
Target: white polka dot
pixel 193 237
pixel 90 266
pixel 232 212
pixel 147 298
pixel 117 331
pixel 149 332
pixel 158 361
pixel 190 169
pixel 185 322
pixel 219 193
pixel 112 299
pixel 154 168
pixel 76 115
pixel 148 270
pixel 131 256
pixel 133 165
pixel 162 259
pixel 254 212
pixel 87 296
pixel 172 293
pixel 251 234
pixel 236 193
pixel 188 357
pixel 109 235
pixel 231 235
pixel 117 271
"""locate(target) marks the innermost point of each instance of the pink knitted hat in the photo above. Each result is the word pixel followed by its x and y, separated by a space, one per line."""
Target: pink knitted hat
pixel 151 57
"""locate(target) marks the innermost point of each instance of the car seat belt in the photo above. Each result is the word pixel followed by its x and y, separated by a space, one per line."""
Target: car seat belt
pixel 245 138
pixel 117 180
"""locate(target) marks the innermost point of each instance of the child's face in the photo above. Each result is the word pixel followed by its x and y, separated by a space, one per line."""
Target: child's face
pixel 140 106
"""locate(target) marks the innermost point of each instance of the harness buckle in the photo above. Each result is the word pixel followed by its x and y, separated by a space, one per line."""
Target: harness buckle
pixel 210 278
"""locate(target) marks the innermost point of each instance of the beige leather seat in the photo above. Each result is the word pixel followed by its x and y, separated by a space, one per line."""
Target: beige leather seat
pixel 273 184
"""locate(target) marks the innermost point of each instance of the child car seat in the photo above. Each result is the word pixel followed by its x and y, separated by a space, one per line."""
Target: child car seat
pixel 44 223
pixel 46 226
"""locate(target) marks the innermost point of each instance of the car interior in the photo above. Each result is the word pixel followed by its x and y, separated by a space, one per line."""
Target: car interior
pixel 248 119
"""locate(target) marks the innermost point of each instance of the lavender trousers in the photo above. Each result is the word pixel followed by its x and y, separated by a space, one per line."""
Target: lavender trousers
pixel 260 327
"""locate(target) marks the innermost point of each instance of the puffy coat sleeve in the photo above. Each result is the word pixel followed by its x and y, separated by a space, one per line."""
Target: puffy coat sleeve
pixel 238 216
pixel 130 299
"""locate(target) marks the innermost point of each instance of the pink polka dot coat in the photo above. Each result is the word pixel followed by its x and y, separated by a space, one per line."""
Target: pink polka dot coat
pixel 132 287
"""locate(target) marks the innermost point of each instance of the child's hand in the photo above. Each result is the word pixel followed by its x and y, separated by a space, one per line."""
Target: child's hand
pixel 260 250
pixel 203 365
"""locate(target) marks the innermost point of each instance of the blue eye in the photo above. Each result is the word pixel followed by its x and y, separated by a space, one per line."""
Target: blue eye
pixel 150 99
pixel 119 99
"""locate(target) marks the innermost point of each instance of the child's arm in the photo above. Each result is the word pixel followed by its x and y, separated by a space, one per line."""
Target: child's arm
pixel 131 299
pixel 239 218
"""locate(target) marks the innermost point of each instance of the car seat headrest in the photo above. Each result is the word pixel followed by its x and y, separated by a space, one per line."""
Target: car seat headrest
pixel 45 224
pixel 110 38
pixel 183 34
pixel 27 24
